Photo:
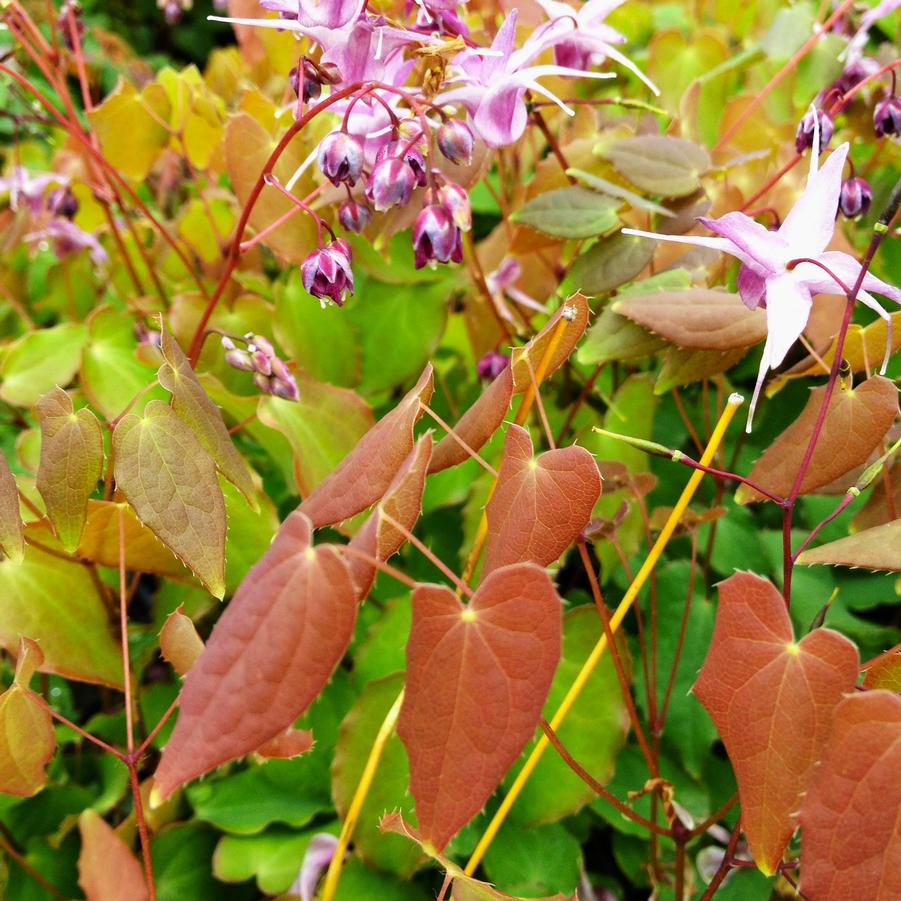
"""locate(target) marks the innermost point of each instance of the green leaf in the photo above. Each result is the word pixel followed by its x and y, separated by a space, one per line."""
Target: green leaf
pixel 40 360
pixel 170 481
pixel 593 732
pixel 182 859
pixel 876 548
pixel 12 538
pixel 387 851
pixel 659 164
pixel 570 212
pixel 383 650
pixel 57 604
pixel 250 532
pixel 71 464
pixel 613 337
pixel 683 366
pixel 610 263
pixel 359 883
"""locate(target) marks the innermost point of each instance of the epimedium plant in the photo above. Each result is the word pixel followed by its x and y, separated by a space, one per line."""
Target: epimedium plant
pixel 417 267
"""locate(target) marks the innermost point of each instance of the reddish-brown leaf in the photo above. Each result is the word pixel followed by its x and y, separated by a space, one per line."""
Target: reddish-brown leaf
pixel 540 504
pixel 574 313
pixel 364 475
pixel 269 656
pixel 179 642
pixel 772 700
pixel 12 538
pixel 477 677
pixel 107 870
pixel 850 827
pixel 700 318
pixel 477 424
pixel 876 548
pixel 289 743
pixel 403 503
pixel 856 422
pixel 885 673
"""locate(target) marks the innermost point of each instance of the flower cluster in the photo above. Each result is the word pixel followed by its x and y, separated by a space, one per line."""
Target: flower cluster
pixel 270 374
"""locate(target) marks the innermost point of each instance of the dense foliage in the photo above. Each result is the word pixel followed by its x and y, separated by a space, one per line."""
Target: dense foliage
pixel 450 451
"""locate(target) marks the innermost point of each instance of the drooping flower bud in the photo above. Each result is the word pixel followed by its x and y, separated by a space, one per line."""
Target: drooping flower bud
pixel 855 197
pixel 410 153
pixel 807 126
pixel 62 202
pixel 309 76
pixel 327 274
pixel 455 141
pixel 341 157
pixel 456 201
pixel 435 237
pixel 236 357
pixel 70 7
pixel 491 365
pixel 887 117
pixel 354 216
pixel 391 184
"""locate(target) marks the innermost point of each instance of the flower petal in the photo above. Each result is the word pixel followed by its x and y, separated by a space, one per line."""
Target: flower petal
pixel 501 116
pixel 767 250
pixel 788 306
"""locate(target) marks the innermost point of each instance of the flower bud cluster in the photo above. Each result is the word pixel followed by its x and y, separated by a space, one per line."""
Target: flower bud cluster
pixel 270 374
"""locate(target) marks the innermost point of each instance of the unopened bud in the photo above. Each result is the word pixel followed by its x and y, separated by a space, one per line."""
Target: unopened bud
pixel 855 197
pixel 455 141
pixel 391 184
pixel 62 202
pixel 354 216
pixel 887 117
pixel 808 125
pixel 341 157
pixel 435 237
pixel 456 201
pixel 491 365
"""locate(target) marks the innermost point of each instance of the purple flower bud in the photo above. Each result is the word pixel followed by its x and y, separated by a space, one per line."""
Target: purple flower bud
pixel 456 201
pixel 804 134
pixel 455 141
pixel 409 153
pixel 491 365
pixel 354 216
pixel 435 237
pixel 262 344
pixel 341 157
pixel 887 116
pixel 285 388
pixel 62 202
pixel 309 77
pixel 855 197
pixel 261 362
pixel 172 12
pixel 262 382
pixel 221 6
pixel 391 184
pixel 327 274
pixel 239 359
pixel 62 23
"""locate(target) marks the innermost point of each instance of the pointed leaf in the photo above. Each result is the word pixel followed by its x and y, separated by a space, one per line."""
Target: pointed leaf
pixel 269 656
pixel 540 505
pixel 194 406
pixel 856 422
pixel 772 700
pixel 610 263
pixel 364 475
pixel 107 870
pixel 659 164
pixel 885 673
pixel 180 644
pixel 12 537
pixel 37 361
pixel 71 463
pixel 468 889
pixel 613 337
pixel 477 424
pixel 497 654
pixel 560 344
pixel 570 212
pixel 171 482
pixel 876 548
pixel 851 844
pixel 290 743
pixel 683 366
pixel 57 604
pixel 26 742
pixel 29 659
pixel 699 318
pixel 403 503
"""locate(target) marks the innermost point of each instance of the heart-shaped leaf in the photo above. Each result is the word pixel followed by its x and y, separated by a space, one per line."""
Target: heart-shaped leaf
pixel 497 654
pixel 364 475
pixel 540 505
pixel 269 656
pixel 876 548
pixel 613 337
pixel 856 422
pixel 107 870
pixel 12 537
pixel 71 463
pixel 570 212
pixel 659 164
pixel 171 482
pixel 610 263
pixel 179 642
pixel 885 673
pixel 772 700
pixel 850 840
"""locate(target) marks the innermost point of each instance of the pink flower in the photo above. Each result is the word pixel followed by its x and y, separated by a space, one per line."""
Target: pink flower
pixel 326 273
pixel 770 278
pixel 318 856
pixel 29 189
pixel 316 13
pixel 67 238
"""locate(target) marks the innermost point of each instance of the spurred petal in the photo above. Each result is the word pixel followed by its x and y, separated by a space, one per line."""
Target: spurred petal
pixel 768 252
pixel 787 309
pixel 810 223
pixel 721 244
pixel 847 269
pixel 751 287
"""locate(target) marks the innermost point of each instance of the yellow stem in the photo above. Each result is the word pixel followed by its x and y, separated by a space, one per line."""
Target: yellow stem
pixel 615 621
pixel 330 885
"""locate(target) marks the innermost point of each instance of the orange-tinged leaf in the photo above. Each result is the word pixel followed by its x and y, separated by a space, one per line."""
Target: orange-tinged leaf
pixel 850 837
pixel 28 660
pixel 403 503
pixel 287 744
pixel 12 538
pixel 574 313
pixel 856 422
pixel 477 424
pixel 269 656
pixel 26 742
pixel 885 673
pixel 179 642
pixel 71 463
pixel 876 548
pixel 699 318
pixel 468 889
pixel 170 480
pixel 194 406
pixel 772 700
pixel 477 677
pixel 540 504
pixel 364 475
pixel 107 869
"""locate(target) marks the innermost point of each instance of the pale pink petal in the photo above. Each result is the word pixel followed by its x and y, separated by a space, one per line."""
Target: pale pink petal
pixel 501 116
pixel 847 269
pixel 787 310
pixel 751 287
pixel 721 244
pixel 318 856
pixel 767 250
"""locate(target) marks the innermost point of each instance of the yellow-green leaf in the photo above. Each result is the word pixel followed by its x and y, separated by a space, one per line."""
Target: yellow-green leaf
pixel 876 548
pixel 26 743
pixel 171 482
pixel 12 542
pixel 71 463
pixel 39 360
